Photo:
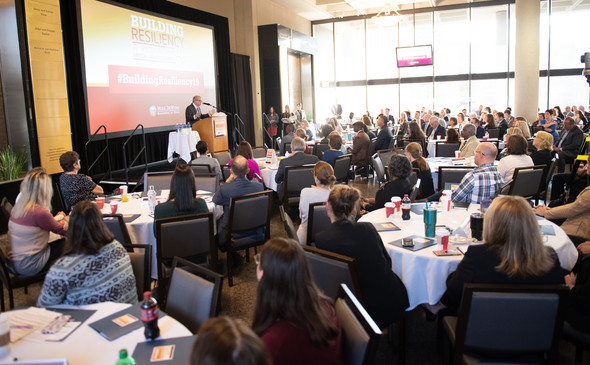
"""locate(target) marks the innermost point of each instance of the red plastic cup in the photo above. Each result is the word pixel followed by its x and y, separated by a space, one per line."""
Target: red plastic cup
pixel 398 203
pixel 100 202
pixel 485 138
pixel 389 209
pixel 114 206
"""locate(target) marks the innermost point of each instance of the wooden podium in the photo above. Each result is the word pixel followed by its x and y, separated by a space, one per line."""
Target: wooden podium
pixel 213 130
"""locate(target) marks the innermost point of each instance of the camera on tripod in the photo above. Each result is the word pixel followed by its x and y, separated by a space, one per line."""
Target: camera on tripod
pixel 585 59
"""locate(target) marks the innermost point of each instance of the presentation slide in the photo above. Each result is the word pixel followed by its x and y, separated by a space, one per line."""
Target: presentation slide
pixel 143 69
pixel 414 56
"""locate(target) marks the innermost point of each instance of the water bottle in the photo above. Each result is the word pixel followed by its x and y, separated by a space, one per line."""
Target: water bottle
pixel 152 199
pixel 149 316
pixel 125 359
pixel 406 207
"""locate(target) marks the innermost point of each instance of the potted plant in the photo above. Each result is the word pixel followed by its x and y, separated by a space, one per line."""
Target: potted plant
pixel 12 164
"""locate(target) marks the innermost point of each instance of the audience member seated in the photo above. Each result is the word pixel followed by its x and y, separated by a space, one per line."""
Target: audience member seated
pixel 301 134
pixel 480 132
pixel 509 132
pixel 416 134
pixel 335 143
pixel 490 122
pixel 237 184
pixel 305 126
pixel 287 138
pixel 182 198
pixel 245 150
pixel 470 141
pixel 508 256
pixel 360 146
pixel 482 182
pixel 579 117
pixel 569 143
pixel 434 129
pixel 399 169
pixel 414 154
pixel 30 223
pixel 95 267
pixel 323 174
pixel 297 159
pixel 203 159
pixel 452 125
pixel 550 123
pixel 559 194
pixel 522 124
pixel 296 322
pixel 385 296
pixel 75 187
pixel 543 142
pixel 517 157
pixel 225 340
pixel 502 125
pixel 384 136
pixel 452 136
pixel 326 130
pixel 577 315
pixel 577 214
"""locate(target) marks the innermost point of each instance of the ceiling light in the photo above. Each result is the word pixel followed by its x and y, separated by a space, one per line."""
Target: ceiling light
pixel 388 16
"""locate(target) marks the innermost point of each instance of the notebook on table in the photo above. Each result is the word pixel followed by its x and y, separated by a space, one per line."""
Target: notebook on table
pixel 167 351
pixel 120 323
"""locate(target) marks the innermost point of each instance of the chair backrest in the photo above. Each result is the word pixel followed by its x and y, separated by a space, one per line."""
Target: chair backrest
pixel 6 208
pixel 60 197
pixel 341 167
pixel 288 224
pixel 160 180
pixel 550 171
pixel 199 169
pixel 177 236
pixel 536 129
pixel 318 221
pixel 372 147
pixel 451 175
pixel 446 149
pixel 297 178
pixel 141 262
pixel 116 225
pixel 223 157
pixel 500 318
pixel 259 152
pixel 385 155
pixel 527 181
pixel 287 148
pixel 360 333
pixel 194 294
pixel 413 178
pixel 209 182
pixel 329 270
pixel 311 149
pixel 225 172
pixel 494 133
pixel 320 149
pixel 378 167
pixel 249 212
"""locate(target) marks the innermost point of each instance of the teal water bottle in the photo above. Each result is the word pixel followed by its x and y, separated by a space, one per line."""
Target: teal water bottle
pixel 124 358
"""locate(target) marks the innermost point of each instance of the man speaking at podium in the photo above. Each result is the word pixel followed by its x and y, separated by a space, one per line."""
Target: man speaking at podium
pixel 193 111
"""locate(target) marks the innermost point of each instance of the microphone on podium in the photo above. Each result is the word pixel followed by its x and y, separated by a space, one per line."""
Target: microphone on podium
pixel 207 104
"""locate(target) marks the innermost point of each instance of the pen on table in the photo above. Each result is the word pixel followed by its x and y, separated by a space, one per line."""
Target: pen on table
pixel 22 326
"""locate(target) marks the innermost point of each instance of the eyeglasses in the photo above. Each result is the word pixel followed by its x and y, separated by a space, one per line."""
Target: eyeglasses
pixel 481 153
pixel 257 259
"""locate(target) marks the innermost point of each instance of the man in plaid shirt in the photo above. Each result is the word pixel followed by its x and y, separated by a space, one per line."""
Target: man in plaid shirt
pixel 484 180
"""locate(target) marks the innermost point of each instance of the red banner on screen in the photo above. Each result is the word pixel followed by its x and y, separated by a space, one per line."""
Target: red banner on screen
pixel 141 80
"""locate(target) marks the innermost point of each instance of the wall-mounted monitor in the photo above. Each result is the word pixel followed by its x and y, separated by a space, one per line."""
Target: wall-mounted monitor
pixel 414 56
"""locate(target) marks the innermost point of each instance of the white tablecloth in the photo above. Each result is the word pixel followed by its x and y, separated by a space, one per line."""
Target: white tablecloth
pixel 141 230
pixel 183 144
pixel 268 173
pixel 86 347
pixel 423 273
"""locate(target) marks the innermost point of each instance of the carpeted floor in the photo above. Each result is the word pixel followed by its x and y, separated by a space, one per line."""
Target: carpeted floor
pixel 239 300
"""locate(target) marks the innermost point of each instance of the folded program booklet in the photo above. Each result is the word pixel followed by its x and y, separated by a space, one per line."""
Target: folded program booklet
pixel 120 323
pixel 169 351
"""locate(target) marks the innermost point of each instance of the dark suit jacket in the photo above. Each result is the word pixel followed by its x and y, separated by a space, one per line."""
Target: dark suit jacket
pixel 440 131
pixel 480 132
pixel 297 159
pixel 503 127
pixel 239 186
pixel 384 293
pixel 360 149
pixel 391 118
pixel 571 144
pixel 383 138
pixel 190 112
pixel 479 266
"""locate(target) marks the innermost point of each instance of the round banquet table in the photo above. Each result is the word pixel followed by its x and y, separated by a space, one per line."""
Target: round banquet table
pixel 268 172
pixel 141 229
pixel 423 273
pixel 85 346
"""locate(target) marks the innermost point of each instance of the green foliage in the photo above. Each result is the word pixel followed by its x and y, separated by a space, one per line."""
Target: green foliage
pixel 12 163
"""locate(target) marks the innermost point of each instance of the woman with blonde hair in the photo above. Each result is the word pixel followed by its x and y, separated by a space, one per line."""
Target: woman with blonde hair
pixel 385 295
pixel 543 142
pixel 522 124
pixel 30 223
pixel 305 126
pixel 323 174
pixel 508 256
pixel 296 322
pixel 414 154
pixel 509 132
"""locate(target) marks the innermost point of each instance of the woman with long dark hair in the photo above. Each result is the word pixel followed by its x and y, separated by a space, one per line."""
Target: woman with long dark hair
pixel 295 320
pixel 414 154
pixel 94 268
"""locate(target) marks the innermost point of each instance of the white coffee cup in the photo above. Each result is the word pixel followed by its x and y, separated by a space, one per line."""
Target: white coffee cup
pixel 123 190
